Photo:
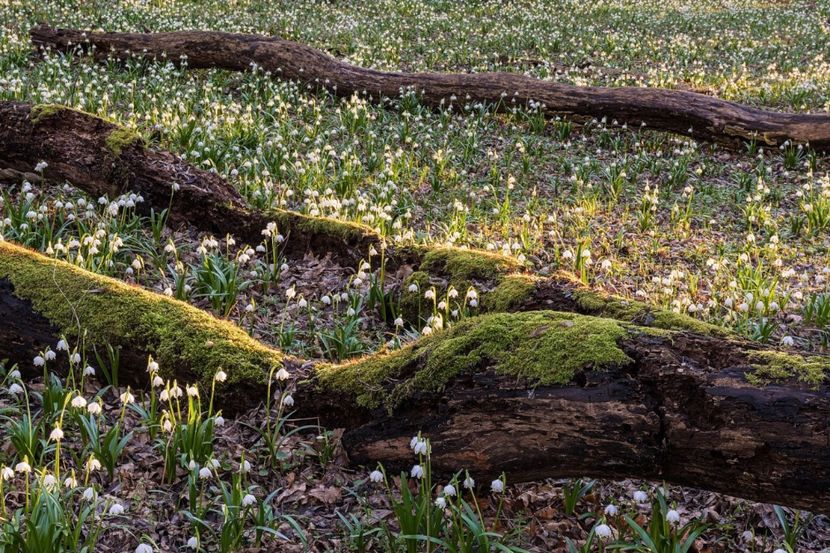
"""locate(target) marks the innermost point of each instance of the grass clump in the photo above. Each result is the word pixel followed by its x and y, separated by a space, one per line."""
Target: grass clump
pixel 544 347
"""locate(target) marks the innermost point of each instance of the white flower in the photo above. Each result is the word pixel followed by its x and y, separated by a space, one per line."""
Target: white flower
pixel 89 371
pixel 116 509
pixel 15 388
pixel 221 376
pixel 70 482
pixel 417 471
pixel 144 548
pixel 441 502
pixel 673 517
pixel 326 300
pixel 127 397
pixel 787 341
pixel 282 374
pixel 193 543
pixel 41 166
pixel 23 467
pixel 56 434
pixel 158 381
pixel 420 447
pixel 14 375
pixel 376 476
pixel 288 401
pixel 219 420
pixel 204 473
pixel 49 482
pixel 75 358
pixel 152 367
pixel 640 496
pixel 429 294
pixel 248 500
pixel 7 473
pixel 50 355
pixel 399 322
pixel 497 486
pixel 89 494
pixel 62 345
pixel 245 466
pixel 192 391
pixel 38 361
pixel 413 287
pixel 94 408
pixel 469 483
pixel 449 490
pixel 611 510
pixel 93 464
pixel 603 531
pixel 78 402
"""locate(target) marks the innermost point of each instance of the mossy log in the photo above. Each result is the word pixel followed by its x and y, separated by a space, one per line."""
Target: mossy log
pixel 678 111
pixel 103 158
pixel 536 394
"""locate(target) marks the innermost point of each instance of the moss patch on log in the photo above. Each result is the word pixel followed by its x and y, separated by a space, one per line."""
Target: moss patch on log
pixel 594 303
pixel 542 347
pixel 120 138
pixel 110 311
pixel 776 365
pixel 510 294
pixel 463 266
pixel 307 225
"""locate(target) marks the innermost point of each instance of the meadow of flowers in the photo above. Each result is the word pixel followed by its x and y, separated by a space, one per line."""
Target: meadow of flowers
pixel 734 238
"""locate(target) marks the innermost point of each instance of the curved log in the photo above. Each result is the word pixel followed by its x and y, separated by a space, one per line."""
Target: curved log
pixel 536 394
pixel 678 111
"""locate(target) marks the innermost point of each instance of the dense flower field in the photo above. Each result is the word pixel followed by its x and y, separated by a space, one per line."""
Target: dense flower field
pixel 734 238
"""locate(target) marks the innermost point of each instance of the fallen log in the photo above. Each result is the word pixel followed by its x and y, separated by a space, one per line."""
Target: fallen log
pixel 678 111
pixel 102 158
pixel 536 394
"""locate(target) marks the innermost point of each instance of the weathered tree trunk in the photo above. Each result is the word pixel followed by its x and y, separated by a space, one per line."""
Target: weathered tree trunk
pixel 677 111
pixel 105 159
pixel 537 394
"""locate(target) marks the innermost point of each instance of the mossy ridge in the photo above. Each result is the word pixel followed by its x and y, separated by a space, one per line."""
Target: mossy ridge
pixel 544 347
pixel 510 294
pixel 110 311
pixel 595 303
pixel 40 112
pixel 776 365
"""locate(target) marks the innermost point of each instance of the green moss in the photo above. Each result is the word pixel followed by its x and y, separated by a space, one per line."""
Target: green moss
pixel 307 225
pixel 511 293
pixel 467 265
pixel 120 138
pixel 777 365
pixel 642 314
pixel 40 112
pixel 109 311
pixel 544 347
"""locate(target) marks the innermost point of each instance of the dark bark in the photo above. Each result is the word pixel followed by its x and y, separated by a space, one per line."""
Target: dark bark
pixel 688 113
pixel 682 412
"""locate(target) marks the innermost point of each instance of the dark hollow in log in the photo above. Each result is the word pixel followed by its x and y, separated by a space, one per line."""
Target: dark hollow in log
pixel 638 403
pixel 688 113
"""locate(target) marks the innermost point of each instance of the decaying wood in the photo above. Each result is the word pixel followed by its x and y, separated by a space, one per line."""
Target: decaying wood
pixel 681 409
pixel 688 113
